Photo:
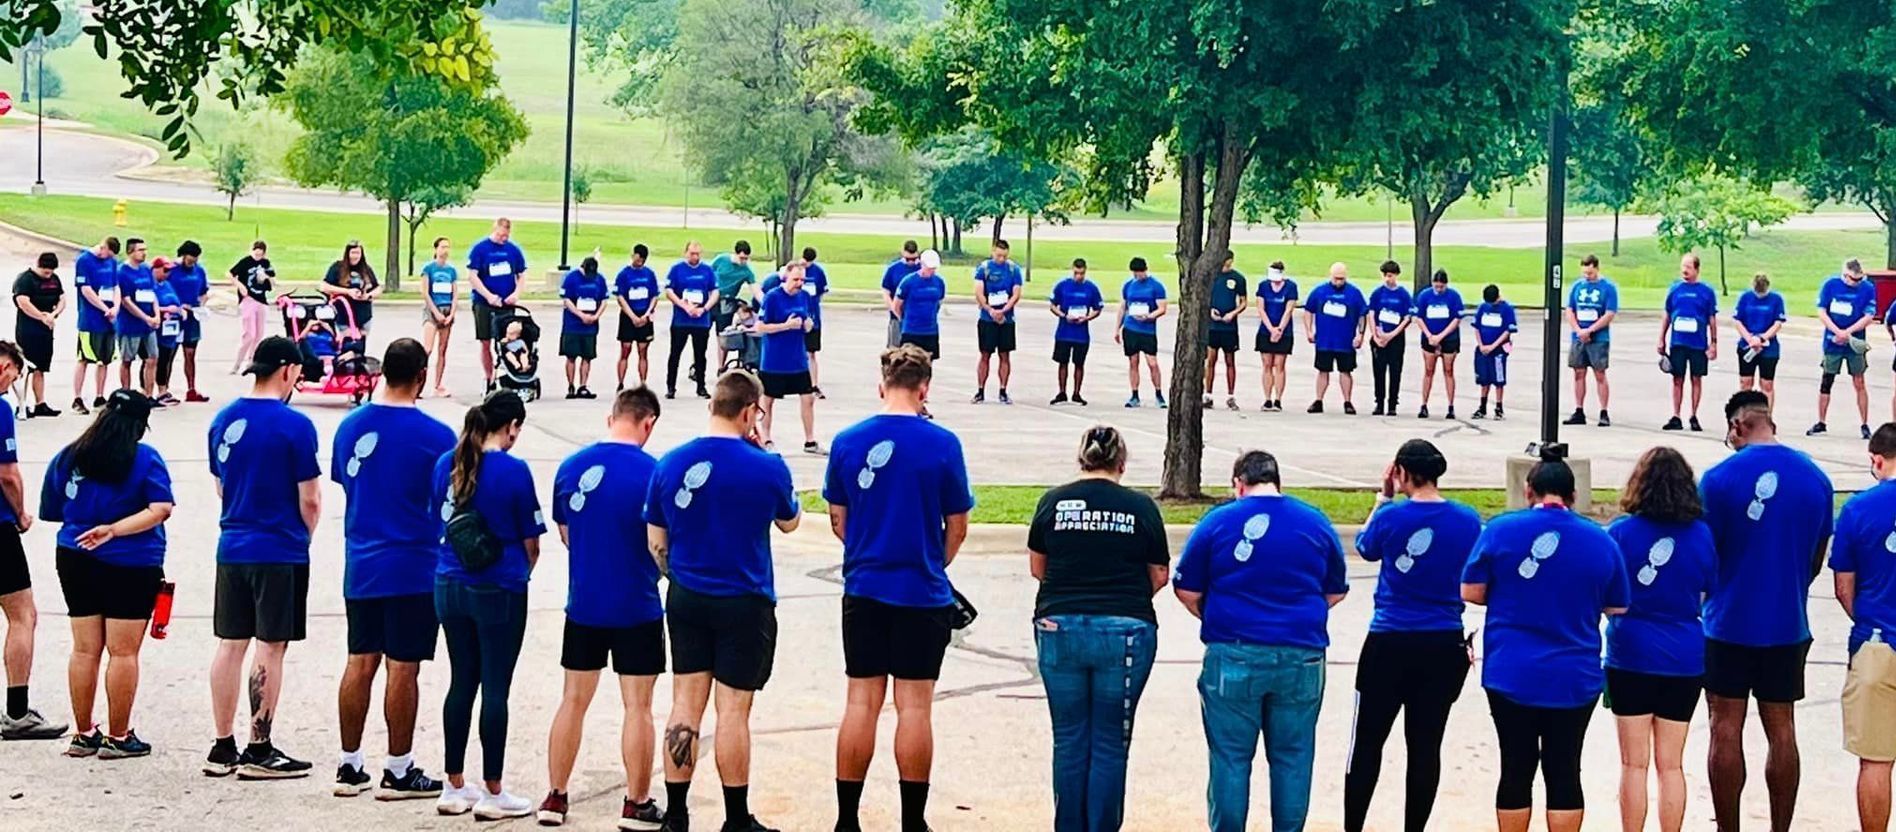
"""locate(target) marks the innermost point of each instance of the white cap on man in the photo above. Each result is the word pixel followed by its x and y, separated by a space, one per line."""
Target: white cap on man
pixel 931 260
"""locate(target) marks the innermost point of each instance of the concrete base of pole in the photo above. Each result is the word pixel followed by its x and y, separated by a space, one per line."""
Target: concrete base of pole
pixel 1516 481
pixel 39 189
pixel 554 278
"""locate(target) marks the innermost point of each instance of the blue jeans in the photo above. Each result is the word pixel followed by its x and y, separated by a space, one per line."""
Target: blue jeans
pixel 1095 667
pixel 1248 689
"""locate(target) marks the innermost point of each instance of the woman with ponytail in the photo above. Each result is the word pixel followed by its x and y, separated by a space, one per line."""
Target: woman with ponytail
pixel 492 527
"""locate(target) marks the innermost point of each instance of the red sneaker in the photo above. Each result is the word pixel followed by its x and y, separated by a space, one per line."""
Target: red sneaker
pixel 195 397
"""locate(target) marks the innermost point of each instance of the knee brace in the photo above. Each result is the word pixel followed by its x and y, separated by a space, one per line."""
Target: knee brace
pixel 1824 385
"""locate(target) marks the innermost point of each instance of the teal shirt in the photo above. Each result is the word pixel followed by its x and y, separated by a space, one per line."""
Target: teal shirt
pixel 731 275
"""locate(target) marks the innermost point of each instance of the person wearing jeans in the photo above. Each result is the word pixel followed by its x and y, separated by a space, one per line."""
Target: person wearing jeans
pixel 1265 629
pixel 1099 552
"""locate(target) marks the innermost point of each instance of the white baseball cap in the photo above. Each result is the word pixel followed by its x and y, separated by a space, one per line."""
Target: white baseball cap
pixel 931 260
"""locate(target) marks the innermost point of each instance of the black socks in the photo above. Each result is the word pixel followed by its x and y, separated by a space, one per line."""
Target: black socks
pixel 675 799
pixel 914 806
pixel 736 807
pixel 848 802
pixel 16 701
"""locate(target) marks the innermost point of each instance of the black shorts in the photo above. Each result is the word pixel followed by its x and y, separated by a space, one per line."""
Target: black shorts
pixel 401 627
pixel 813 340
pixel 1772 674
pixel 97 347
pixel 1224 340
pixel 1139 342
pixel 638 650
pixel 1764 367
pixel 94 587
pixel 264 601
pixel 732 638
pixel 631 333
pixel 14 574
pixel 194 331
pixel 886 640
pixel 785 385
pixel 1687 361
pixel 36 343
pixel 579 345
pixel 1341 361
pixel 483 321
pixel 1071 352
pixel 931 343
pixel 1451 345
pixel 994 337
pixel 1425 667
pixel 1671 698
pixel 1281 346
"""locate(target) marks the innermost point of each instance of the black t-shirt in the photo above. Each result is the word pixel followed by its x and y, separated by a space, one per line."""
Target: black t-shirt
pixel 42 292
pixel 358 277
pixel 1099 538
pixel 258 277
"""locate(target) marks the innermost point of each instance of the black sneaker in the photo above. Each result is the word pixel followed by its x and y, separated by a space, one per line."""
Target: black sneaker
pixel 1078 401
pixel 979 397
pixel 350 781
pixel 98 401
pixel 79 407
pixel 1481 412
pixel 750 824
pixel 415 784
pixel 124 747
pixel 1450 416
pixel 1694 423
pixel 1058 399
pixel 265 762
pixel 1378 411
pixel 1349 409
pixel 640 817
pixel 1315 407
pixel 85 745
pixel 1605 422
pixel 1673 424
pixel 1498 413
pixel 1816 429
pixel 1866 432
pixel 817 391
pixel 587 393
pixel 1579 417
pixel 43 410
pixel 223 758
pixel 1003 399
pixel 571 393
pixel 703 393
pixel 1422 412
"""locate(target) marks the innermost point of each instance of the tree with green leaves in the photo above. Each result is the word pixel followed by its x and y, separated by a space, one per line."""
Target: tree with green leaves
pixel 630 37
pixel 1609 162
pixel 969 177
pixel 582 190
pixel 234 173
pixel 417 143
pixel 1716 212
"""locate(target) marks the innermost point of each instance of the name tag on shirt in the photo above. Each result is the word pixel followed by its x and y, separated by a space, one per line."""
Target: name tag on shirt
pixel 1842 307
pixel 1438 312
pixel 1685 326
pixel 445 288
pixel 694 296
pixel 105 292
pixel 587 304
pixel 809 289
pixel 169 328
pixel 638 293
pixel 145 296
pixel 1335 309
pixel 1138 309
pixel 1389 316
pixel 1586 316
pixel 1492 319
pixel 499 269
pixel 1078 312
pixel 996 299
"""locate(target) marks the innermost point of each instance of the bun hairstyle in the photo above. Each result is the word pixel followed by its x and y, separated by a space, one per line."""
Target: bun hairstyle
pixel 1102 449
pixel 1551 477
pixel 1421 461
pixel 497 412
pixel 907 367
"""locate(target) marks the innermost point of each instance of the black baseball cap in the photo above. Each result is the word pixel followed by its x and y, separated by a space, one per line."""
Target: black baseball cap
pixel 275 353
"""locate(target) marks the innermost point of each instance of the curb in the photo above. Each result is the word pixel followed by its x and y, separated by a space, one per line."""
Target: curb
pixel 1006 539
pixel 43 239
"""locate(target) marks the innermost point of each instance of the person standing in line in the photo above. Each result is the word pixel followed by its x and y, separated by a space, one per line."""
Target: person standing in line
pixel 1592 304
pixel 1100 553
pixel 39 299
pixel 785 365
pixel 909 263
pixel 1141 304
pixel 636 290
pixel 1865 567
pixel 1075 302
pixel 1769 508
pixel 1440 309
pixel 583 302
pixel 918 301
pixel 1845 306
pixel 1265 628
pixel 1759 315
pixel 1495 325
pixel 1688 338
pixel 263 456
pixel 1655 651
pixel 1335 316
pixel 815 286
pixel 191 283
pixel 170 328
pixel 111 494
pixel 136 321
pixel 494 266
pixel 254 279
pixel 709 514
pixel 490 541
pixel 692 288
pixel 612 605
pixel 95 281
pixel 389 561
pixel 897 488
pixel 997 287
pixel 1541 643
pixel 1229 297
pixel 1392 308
pixel 353 279
pixel 19 721
pixel 438 298
pixel 736 282
pixel 1276 332
pixel 1414 659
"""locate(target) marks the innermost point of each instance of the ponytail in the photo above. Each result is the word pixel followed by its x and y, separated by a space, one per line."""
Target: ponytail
pixel 483 420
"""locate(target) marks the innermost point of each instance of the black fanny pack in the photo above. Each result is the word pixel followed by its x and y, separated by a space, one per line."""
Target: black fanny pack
pixel 473 543
pixel 964 613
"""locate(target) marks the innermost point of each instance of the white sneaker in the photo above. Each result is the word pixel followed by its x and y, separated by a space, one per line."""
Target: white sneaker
pixel 459 801
pixel 503 805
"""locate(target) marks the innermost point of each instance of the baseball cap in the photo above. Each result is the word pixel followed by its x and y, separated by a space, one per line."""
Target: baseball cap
pixel 275 353
pixel 160 263
pixel 931 260
pixel 131 402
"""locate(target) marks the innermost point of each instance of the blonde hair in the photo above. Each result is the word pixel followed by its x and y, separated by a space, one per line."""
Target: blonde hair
pixel 1102 448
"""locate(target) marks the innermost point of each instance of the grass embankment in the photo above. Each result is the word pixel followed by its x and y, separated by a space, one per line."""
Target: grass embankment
pixel 1014 504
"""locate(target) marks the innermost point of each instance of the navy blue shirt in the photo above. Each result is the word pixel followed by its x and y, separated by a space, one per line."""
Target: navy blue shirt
pixel 587 293
pixel 1422 547
pixel 1387 307
pixel 1076 300
pixel 261 451
pixel 783 351
pixel 893 274
pixel 599 496
pixel 79 504
pixel 383 456
pixel 900 477
pixel 1226 289
pixel 1759 314
pixel 921 297
pixel 1691 306
pixel 497 265
pixel 639 286
pixel 1866 546
pixel 1265 565
pixel 694 285
pixel 717 497
pixel 1769 508
pixel 1275 298
pixel 998 282
pixel 1672 566
pixel 505 500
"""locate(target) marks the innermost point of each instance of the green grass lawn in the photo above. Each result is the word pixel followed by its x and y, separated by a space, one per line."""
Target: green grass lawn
pixel 1014 504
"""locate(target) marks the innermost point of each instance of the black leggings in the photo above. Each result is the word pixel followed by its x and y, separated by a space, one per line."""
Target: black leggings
pixel 485 626
pixel 1416 674
pixel 1548 738
pixel 698 338
pixel 166 357
pixel 1385 364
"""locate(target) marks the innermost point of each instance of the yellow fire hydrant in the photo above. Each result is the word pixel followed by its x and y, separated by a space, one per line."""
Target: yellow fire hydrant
pixel 119 210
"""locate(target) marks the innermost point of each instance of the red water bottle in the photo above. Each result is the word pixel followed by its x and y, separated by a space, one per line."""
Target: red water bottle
pixel 161 612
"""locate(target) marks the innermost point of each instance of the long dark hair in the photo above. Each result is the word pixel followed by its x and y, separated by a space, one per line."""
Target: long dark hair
pixel 108 447
pixel 483 420
pixel 344 268
pixel 1662 488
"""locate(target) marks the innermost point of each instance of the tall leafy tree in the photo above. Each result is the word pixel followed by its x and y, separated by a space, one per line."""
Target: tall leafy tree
pixel 1609 160
pixel 968 177
pixel 1716 212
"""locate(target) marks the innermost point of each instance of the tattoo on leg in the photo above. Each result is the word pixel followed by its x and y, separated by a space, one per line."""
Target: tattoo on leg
pixel 260 719
pixel 681 745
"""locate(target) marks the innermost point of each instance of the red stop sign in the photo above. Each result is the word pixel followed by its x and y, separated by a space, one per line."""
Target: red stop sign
pixel 6 103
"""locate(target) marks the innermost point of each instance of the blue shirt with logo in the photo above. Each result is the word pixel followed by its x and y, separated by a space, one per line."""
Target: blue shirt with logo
pixel 815 286
pixel 1142 292
pixel 1275 298
pixel 497 265
pixel 1591 300
pixel 1337 312
pixel 1769 508
pixel 1493 319
pixel 1387 307
pixel 1866 546
pixel 599 496
pixel 900 478
pixel 694 285
pixel 505 500
pixel 1265 565
pixel 893 274
pixel 1846 304
pixel 783 351
pixel 587 293
pixel 1226 290
pixel 1422 547
pixel 639 286
pixel 1759 314
pixel 383 456
pixel 1671 567
pixel 717 497
pixel 79 504
pixel 1076 299
pixel 1439 310
pixel 100 273
pixel 921 297
pixel 136 287
pixel 438 281
pixel 261 451
pixel 1691 306
pixel 998 282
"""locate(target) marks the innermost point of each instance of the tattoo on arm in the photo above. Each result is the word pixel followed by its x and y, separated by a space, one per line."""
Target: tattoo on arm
pixel 260 719
pixel 681 746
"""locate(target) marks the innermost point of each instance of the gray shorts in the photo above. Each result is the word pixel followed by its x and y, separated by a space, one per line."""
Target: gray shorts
pixel 1855 362
pixel 1594 355
pixel 135 347
pixel 895 333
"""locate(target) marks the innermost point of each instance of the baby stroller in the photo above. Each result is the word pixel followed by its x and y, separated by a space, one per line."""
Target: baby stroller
pixel 333 347
pixel 517 362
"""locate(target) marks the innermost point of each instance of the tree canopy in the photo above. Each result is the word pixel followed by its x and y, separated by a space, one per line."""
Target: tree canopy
pixel 1716 212
pixel 968 177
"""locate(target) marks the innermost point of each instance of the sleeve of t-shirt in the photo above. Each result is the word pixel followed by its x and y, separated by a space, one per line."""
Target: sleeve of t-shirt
pixel 532 521
pixel 956 497
pixel 23 285
pixel 1618 591
pixel 1843 547
pixel 339 452
pixel 1193 573
pixel 1480 567
pixel 1612 301
pixel 333 276
pixel 786 493
pixel 655 510
pixel 835 492
pixel 1037 529
pixel 1369 540
pixel 157 485
pixel 1513 321
pixel 303 459
pixel 902 288
pixel 1336 572
pixel 52 505
pixel 1158 546
pixel 562 488
pixel 9 438
pixel 1777 304
pixel 210 444
pixel 125 283
pixel 518 259
pixel 1158 290
pixel 569 286
pixel 472 264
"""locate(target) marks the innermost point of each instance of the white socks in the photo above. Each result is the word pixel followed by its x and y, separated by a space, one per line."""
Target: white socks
pixel 398 766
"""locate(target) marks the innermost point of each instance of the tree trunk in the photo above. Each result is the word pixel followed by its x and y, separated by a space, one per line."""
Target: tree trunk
pixel 1616 232
pixel 1424 220
pixel 1889 236
pixel 230 208
pixel 994 237
pixel 934 240
pixel 1722 289
pixel 954 247
pixel 787 227
pixel 412 228
pixel 392 264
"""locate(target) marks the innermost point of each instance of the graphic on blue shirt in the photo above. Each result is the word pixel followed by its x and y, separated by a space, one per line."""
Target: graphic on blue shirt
pixel 1387 307
pixel 599 496
pixel 1438 310
pixel 1691 308
pixel 1276 297
pixel 998 282
pixel 1422 547
pixel 717 497
pixel 1142 296
pixel 815 286
pixel 1493 319
pixel 136 287
pixel 894 273
pixel 587 293
pixel 1337 313
pixel 1672 566
pixel 261 450
pixel 497 265
pixel 438 280
pixel 1769 508
pixel 383 456
pixel 79 504
pixel 1076 299
pixel 639 286
pixel 1265 565
pixel 1759 314
pixel 1866 546
pixel 1846 305
pixel 899 478
pixel 783 351
pixel 921 297
pixel 101 275
pixel 1591 300
pixel 508 506
pixel 694 285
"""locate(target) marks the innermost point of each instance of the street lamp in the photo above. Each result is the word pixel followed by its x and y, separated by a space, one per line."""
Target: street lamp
pixel 39 109
pixel 572 75
pixel 1556 243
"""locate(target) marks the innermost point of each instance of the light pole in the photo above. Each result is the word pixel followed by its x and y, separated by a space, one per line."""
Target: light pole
pixel 1556 217
pixel 566 186
pixel 39 109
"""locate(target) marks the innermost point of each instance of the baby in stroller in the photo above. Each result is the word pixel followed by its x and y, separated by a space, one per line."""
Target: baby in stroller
pixel 742 345
pixel 518 348
pixel 323 349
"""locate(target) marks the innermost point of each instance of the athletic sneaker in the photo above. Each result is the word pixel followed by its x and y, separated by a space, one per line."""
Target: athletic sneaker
pixel 641 817
pixel 1207 403
pixel 1231 403
pixel 586 393
pixel 223 758
pixel 1058 399
pixel 503 805
pixel 1378 411
pixel 414 784
pixel 1816 429
pixel 979 397
pixel 750 824
pixel 1450 416
pixel 1604 421
pixel 671 393
pixel 168 400
pixel 85 745
pixel 1422 412
pixel 42 410
pixel 1481 412
pixel 1315 407
pixel 98 401
pixel 1498 414
pixel 1579 417
pixel 814 449
pixel 30 726
pixel 1003 398
pixel 1134 401
pixel 1866 432
pixel 459 801
pixel 571 394
pixel 195 397
pixel 1157 397
pixel 1349 409
pixel 265 762
pixel 79 407
pixel 124 747
pixel 1696 428
pixel 552 810
pixel 350 781
pixel 1673 424
pixel 1078 401
pixel 703 393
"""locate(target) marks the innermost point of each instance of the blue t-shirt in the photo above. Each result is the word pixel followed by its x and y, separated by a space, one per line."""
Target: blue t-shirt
pixel 497 265
pixel 599 496
pixel 261 450
pixel 383 456
pixel 1337 313
pixel 1138 293
pixel 1671 566
pixel 921 298
pixel 190 282
pixel 79 504
pixel 1075 299
pixel 9 455
pixel 1438 310
pixel 321 343
pixel 783 351
pixel 1387 307
pixel 1275 298
pixel 815 286
pixel 1759 314
pixel 998 282
pixel 1691 306
pixel 717 497
pixel 171 325
pixel 897 270
pixel 900 477
pixel 100 273
pixel 1591 300
pixel 587 293
pixel 505 500
pixel 639 286
pixel 1846 304
pixel 438 281
pixel 1422 547
pixel 136 286
pixel 1276 598
pixel 1550 575
pixel 1769 508
pixel 1866 545
pixel 1493 319
pixel 694 285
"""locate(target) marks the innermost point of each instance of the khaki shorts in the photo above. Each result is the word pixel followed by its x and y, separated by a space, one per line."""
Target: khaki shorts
pixel 1869 703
